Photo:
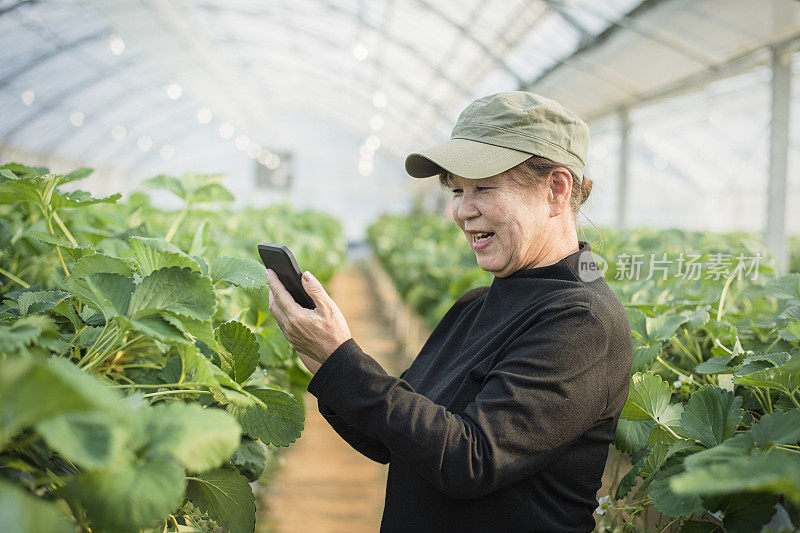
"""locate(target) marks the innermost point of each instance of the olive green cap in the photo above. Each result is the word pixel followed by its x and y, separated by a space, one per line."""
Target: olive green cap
pixel 500 131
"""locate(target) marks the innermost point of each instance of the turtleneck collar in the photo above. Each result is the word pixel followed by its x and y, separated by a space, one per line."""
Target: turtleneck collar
pixel 566 268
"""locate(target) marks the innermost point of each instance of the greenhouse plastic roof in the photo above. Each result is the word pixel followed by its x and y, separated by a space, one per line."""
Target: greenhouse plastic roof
pixel 129 83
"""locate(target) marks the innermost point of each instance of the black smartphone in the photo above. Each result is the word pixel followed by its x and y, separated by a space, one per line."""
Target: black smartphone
pixel 280 260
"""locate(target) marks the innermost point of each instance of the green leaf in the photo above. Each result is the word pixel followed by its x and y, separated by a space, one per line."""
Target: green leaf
pixel 740 445
pixel 240 271
pixel 39 301
pixel 748 512
pixel 785 287
pixel 239 352
pixel 276 418
pixel 179 290
pixel 667 500
pixel 648 397
pixel 785 378
pixel 108 293
pixel 90 439
pixel 712 415
pixel 202 330
pixel 100 263
pixel 643 357
pixel 696 318
pixel 227 498
pixel 21 512
pixel 629 480
pixel 80 199
pixel 65 309
pixel 632 435
pixel 156 327
pixel 24 190
pixel 659 453
pixel 78 174
pixel 775 473
pixel 715 365
pixel 196 368
pixel 30 392
pixel 776 428
pixel 162 181
pixel 48 238
pixel 250 459
pixel 664 327
pixel 153 254
pixel 197 247
pixel 200 439
pixel 22 332
pixel 127 497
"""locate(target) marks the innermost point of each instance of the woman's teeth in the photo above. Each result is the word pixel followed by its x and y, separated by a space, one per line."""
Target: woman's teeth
pixel 481 236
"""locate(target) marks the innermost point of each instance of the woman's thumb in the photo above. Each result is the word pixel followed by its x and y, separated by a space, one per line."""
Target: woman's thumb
pixel 313 287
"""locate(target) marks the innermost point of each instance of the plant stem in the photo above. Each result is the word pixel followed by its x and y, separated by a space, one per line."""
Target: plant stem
pixel 675 370
pixel 675 342
pixel 65 230
pixel 58 248
pixel 181 391
pixel 669 430
pixel 14 278
pixel 177 222
pixel 722 298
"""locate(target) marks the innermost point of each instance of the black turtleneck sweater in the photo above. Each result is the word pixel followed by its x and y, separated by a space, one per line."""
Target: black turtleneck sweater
pixel 503 421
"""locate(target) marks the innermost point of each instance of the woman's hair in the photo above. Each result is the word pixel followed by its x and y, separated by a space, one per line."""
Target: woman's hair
pixel 536 171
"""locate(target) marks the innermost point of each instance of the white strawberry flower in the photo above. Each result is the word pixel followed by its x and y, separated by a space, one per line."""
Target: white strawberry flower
pixel 604 504
pixel 678 383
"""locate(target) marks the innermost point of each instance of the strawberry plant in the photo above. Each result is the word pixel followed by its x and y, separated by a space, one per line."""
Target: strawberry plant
pixel 143 386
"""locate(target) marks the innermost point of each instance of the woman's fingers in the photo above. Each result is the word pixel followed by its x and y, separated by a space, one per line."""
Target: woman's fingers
pixel 315 290
pixel 284 299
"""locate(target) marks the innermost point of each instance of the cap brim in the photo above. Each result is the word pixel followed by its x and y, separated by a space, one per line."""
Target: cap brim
pixel 465 158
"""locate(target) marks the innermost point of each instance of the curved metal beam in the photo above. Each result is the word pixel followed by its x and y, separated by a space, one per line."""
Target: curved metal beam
pixel 72 90
pixel 28 65
pixel 9 9
pixel 499 61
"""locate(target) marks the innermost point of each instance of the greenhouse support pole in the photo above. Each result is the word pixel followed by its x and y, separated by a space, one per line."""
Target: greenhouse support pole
pixel 774 234
pixel 624 165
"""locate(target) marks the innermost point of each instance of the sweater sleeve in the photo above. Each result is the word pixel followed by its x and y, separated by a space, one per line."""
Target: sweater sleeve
pixel 369 447
pixel 546 388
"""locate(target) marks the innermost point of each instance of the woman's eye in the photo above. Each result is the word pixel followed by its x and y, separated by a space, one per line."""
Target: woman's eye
pixel 456 191
pixel 483 188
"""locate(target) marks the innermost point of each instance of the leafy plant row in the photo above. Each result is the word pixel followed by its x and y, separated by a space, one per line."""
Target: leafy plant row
pixel 143 385
pixel 711 427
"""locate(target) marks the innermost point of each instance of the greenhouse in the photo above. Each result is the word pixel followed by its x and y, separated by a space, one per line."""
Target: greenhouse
pixel 414 265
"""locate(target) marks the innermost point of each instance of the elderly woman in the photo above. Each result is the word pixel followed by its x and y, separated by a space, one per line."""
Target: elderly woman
pixel 503 420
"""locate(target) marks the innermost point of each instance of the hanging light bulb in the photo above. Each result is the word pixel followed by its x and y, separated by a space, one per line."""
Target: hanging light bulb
pixel 226 130
pixel 144 143
pixel 379 99
pixel 116 44
pixel 204 115
pixel 174 91
pixel 376 122
pixel 28 96
pixel 118 132
pixel 167 152
pixel 360 51
pixel 76 118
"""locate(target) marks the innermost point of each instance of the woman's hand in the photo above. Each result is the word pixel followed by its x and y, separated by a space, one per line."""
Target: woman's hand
pixel 314 333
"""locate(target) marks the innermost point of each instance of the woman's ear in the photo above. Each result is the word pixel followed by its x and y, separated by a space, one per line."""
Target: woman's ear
pixel 560 190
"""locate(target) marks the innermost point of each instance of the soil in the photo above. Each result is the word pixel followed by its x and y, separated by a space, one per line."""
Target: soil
pixel 324 485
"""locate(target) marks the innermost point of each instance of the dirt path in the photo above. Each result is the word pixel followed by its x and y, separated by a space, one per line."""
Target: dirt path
pixel 325 485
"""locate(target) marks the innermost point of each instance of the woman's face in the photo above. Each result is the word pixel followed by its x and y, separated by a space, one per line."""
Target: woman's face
pixel 515 215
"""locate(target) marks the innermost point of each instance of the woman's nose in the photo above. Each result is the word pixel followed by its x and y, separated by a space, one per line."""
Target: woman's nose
pixel 467 206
